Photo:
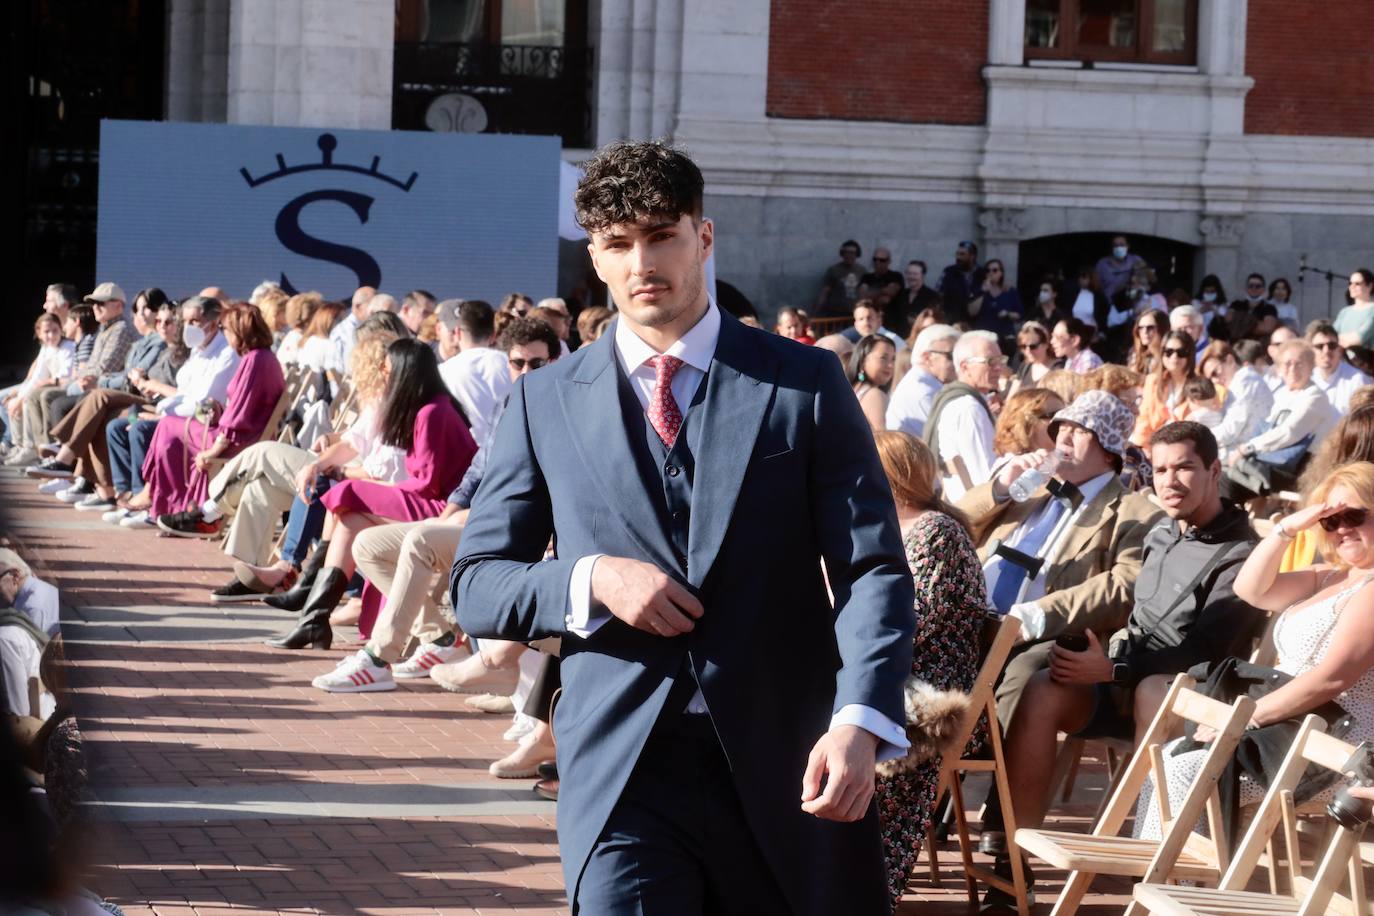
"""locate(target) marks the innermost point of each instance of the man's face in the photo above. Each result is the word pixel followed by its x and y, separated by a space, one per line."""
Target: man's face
pixel 1254 288
pixel 1080 457
pixel 1294 369
pixel 522 359
pixel 653 268
pixel 984 368
pixel 54 305
pixel 1277 339
pixel 882 260
pixel 849 254
pixel 866 321
pixel 414 313
pixel 11 581
pixel 915 276
pixel 1328 351
pixel 108 310
pixel 191 315
pixel 939 360
pixel 963 257
pixel 361 296
pixel 1182 482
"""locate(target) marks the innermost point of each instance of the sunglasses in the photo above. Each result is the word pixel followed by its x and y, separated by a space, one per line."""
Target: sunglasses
pixel 1033 346
pixel 1329 345
pixel 1350 518
pixel 519 364
pixel 1175 351
pixel 1147 327
pixel 882 260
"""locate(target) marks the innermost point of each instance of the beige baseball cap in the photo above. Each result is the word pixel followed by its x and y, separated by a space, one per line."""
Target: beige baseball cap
pixel 106 292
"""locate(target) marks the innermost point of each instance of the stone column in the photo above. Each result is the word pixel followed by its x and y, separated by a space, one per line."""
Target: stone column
pixel 1222 234
pixel 311 63
pixel 197 60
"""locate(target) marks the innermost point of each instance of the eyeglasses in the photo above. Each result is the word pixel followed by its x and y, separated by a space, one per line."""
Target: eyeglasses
pixel 519 364
pixel 1349 518
pixel 1329 345
pixel 165 319
pixel 994 361
pixel 947 354
pixel 1175 351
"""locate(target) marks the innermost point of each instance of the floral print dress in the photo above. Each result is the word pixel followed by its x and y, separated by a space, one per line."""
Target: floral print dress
pixel 951 601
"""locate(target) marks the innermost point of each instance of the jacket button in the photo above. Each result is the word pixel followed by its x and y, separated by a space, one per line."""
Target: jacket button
pixel 673 470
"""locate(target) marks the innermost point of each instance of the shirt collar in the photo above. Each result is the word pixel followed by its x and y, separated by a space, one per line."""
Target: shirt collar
pixel 1090 488
pixel 695 348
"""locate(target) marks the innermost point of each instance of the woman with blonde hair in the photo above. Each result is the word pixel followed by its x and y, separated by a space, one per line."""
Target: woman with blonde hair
pixel 1062 382
pixel 1147 339
pixel 950 603
pixel 1023 425
pixel 299 309
pixel 272 304
pixel 1037 359
pixel 1118 381
pixel 1324 636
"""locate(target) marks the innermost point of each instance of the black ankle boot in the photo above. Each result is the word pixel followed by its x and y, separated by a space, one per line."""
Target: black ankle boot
pixel 312 629
pixel 293 599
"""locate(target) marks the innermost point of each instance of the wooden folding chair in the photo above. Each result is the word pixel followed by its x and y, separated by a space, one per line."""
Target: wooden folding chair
pixel 1277 818
pixel 999 635
pixel 269 430
pixel 1179 852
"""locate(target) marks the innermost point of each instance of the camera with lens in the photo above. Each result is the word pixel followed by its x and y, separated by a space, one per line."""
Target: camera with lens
pixel 1350 812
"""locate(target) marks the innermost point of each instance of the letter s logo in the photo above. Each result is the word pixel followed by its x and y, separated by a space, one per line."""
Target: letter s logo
pixel 294 238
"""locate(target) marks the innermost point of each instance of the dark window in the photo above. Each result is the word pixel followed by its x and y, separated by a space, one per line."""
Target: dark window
pixel 1125 31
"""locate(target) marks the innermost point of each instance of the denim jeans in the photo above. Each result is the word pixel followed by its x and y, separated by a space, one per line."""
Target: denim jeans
pixel 305 524
pixel 127 446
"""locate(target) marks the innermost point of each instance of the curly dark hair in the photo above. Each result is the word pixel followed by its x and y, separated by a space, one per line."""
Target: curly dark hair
pixel 630 182
pixel 521 331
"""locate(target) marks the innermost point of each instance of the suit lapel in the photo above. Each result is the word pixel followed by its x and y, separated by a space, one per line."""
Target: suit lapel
pixel 1096 514
pixel 739 388
pixel 599 433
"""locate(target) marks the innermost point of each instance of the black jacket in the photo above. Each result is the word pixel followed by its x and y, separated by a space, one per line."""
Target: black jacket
pixel 1186 610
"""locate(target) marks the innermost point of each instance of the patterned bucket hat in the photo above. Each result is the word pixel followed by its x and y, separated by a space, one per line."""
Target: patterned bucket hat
pixel 1104 415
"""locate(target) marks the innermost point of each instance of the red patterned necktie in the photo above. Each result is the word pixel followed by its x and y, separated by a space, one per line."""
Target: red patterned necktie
pixel 664 415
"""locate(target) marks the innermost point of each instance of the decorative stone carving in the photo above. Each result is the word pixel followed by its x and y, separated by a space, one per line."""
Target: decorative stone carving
pixel 1222 230
pixel 1003 222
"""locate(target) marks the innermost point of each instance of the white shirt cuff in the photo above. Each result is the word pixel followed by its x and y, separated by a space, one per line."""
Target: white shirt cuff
pixel 892 740
pixel 1032 620
pixel 580 620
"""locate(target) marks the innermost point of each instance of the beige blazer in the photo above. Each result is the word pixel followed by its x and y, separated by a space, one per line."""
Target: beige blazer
pixel 1090 582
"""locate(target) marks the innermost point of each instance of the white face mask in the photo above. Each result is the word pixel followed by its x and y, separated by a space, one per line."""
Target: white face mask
pixel 192 335
pixel 1209 297
pixel 1119 252
pixel 1046 295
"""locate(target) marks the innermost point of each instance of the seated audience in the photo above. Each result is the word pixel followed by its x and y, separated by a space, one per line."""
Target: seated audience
pixel 868 320
pixel 1046 311
pixel 1248 399
pixel 55 361
pixel 1201 401
pixel 1023 424
pixel 345 331
pixel 1190 320
pixel 950 609
pixel 81 329
pixel 1302 415
pixel 1071 339
pixel 1148 342
pixel 792 325
pixel 1037 359
pixel 208 364
pixel 419 416
pixel 870 375
pixel 1324 639
pixel 1163 400
pixel 1352 439
pixel 1185 611
pixel 932 367
pixel 1337 378
pixel 185 450
pixel 299 309
pixel 410 561
pixel 1277 339
pixel 960 427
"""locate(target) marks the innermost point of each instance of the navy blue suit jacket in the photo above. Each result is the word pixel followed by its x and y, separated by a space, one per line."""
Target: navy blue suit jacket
pixel 786 475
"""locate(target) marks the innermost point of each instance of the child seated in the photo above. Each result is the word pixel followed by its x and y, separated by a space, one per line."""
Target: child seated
pixel 1201 402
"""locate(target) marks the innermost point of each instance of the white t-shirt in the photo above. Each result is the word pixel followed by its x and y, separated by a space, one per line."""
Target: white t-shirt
pixel 19 658
pixel 382 462
pixel 52 362
pixel 480 379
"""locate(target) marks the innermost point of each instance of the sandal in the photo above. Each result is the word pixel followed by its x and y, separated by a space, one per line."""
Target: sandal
pixel 245 574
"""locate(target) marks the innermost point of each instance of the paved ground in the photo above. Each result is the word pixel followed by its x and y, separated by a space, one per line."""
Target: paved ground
pixel 223 782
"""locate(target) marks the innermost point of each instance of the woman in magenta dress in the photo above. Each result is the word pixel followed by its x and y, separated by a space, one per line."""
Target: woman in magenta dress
pixel 183 447
pixel 420 416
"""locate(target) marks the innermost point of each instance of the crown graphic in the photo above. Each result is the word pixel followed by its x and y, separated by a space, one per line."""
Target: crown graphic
pixel 327 144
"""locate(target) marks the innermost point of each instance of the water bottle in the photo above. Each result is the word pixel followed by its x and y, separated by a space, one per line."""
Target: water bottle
pixel 1031 480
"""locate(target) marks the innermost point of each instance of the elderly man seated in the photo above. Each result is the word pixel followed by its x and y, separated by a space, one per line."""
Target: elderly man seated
pixel 932 367
pixel 960 427
pixel 1185 612
pixel 1302 415
pixel 28 619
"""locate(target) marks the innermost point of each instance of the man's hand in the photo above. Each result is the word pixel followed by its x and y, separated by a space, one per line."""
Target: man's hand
pixel 1014 468
pixel 1091 666
pixel 644 596
pixel 844 758
pixel 305 481
pixel 451 511
pixel 86 382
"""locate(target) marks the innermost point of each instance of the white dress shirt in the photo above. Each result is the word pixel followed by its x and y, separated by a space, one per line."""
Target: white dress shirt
pixel 480 379
pixel 38 600
pixel 1025 609
pixel 52 362
pixel 342 337
pixel 1248 402
pixel 1344 382
pixel 696 349
pixel 1294 416
pixel 910 403
pixel 205 374
pixel 966 431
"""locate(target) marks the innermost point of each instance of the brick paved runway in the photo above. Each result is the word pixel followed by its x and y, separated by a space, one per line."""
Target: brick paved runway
pixel 223 782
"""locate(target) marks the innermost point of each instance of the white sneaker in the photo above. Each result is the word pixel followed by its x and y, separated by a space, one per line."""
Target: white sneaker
pixel 54 486
pixel 94 502
pixel 425 657
pixel 521 727
pixel 21 457
pixel 76 491
pixel 356 674
pixel 137 520
pixel 115 516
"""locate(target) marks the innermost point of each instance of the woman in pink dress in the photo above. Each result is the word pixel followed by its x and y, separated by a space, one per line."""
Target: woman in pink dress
pixel 183 447
pixel 420 416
